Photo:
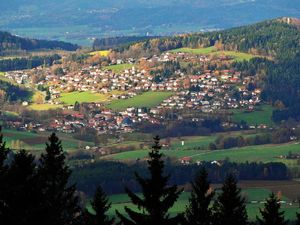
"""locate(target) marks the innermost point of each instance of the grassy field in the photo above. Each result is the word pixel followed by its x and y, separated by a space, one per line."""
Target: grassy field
pixel 147 99
pixel 72 97
pixel 263 115
pixel 103 53
pixel 252 194
pixel 44 107
pixel 198 51
pixel 237 56
pixel 259 153
pixel 36 141
pixel 119 68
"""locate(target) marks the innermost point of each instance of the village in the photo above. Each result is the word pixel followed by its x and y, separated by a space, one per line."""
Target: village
pixel 207 91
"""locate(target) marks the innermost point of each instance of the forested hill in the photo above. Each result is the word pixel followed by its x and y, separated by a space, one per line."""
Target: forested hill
pixel 9 42
pixel 278 38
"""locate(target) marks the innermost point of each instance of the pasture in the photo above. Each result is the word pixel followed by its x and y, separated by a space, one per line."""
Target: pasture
pixel 261 115
pixel 44 107
pixel 119 67
pixel 119 201
pixel 237 56
pixel 36 141
pixel 72 97
pixel 197 51
pixel 258 153
pixel 147 99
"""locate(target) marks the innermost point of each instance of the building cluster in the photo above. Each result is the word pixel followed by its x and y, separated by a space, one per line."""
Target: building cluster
pixel 207 92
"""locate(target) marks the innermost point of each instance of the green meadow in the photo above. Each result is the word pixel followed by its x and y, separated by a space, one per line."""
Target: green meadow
pixel 119 68
pixel 72 97
pixel 119 201
pixel 237 56
pixel 44 107
pixel 258 153
pixel 147 99
pixel 198 51
pixel 261 115
pixel 36 141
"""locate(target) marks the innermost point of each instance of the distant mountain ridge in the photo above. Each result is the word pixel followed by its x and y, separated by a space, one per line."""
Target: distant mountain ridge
pixel 81 19
pixel 9 43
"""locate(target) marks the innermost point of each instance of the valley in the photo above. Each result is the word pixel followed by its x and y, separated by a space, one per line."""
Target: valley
pixel 226 100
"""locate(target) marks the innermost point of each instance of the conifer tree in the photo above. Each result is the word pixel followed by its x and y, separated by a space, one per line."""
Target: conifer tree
pixel 3 174
pixel 298 219
pixel 59 203
pixel 21 198
pixel 230 206
pixel 157 196
pixel 100 205
pixel 271 214
pixel 198 211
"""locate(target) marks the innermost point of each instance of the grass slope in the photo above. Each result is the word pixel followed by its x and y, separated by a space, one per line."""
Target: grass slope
pixel 237 56
pixel 44 107
pixel 259 153
pixel 119 68
pixel 36 141
pixel 252 194
pixel 72 97
pixel 263 115
pixel 147 99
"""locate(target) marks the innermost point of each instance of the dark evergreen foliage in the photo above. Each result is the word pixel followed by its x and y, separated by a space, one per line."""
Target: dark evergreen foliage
pixel 100 205
pixel 59 202
pixel 14 93
pixel 298 219
pixel 27 63
pixel 114 175
pixel 198 211
pixel 3 175
pixel 157 198
pixel 117 42
pixel 271 214
pixel 22 193
pixel 230 206
pixel 9 42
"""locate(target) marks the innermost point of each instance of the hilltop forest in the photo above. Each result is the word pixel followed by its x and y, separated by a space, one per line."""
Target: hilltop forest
pixel 10 44
pixel 275 42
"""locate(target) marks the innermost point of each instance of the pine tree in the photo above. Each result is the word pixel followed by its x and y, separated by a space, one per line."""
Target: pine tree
pixel 199 212
pixel 230 206
pixel 271 214
pixel 3 174
pixel 21 198
pixel 100 205
pixel 3 153
pixel 59 203
pixel 298 219
pixel 157 198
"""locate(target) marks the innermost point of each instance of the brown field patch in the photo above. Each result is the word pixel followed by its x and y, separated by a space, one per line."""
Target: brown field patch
pixel 35 140
pixel 289 188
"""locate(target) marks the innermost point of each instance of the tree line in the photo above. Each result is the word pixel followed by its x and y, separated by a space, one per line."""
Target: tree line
pixel 38 191
pixel 27 63
pixel 9 42
pixel 118 42
pixel 270 38
pixel 112 176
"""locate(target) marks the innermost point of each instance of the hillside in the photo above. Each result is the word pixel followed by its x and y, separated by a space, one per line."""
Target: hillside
pixel 12 43
pixel 277 38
